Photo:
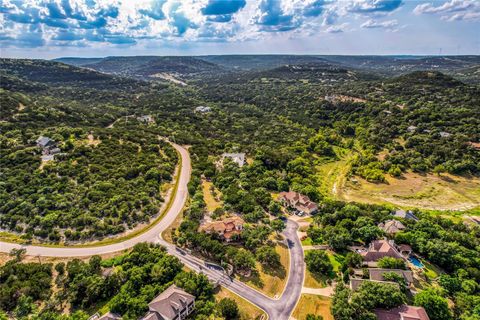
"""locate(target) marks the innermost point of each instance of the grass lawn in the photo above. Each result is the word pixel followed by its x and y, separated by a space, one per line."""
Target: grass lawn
pixel 210 200
pixel 335 259
pixel 314 281
pixel 247 310
pixel 271 282
pixel 307 242
pixel 167 234
pixel 320 281
pixel 431 271
pixel 312 304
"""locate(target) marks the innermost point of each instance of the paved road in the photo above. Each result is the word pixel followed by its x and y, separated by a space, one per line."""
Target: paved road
pixel 149 236
pixel 277 309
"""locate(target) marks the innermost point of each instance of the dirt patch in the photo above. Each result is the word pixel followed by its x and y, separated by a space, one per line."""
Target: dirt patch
pixel 313 304
pixel 169 77
pixel 248 311
pixel 91 141
pixel 211 195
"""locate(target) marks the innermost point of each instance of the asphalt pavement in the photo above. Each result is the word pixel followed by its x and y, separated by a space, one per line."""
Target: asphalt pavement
pixel 276 309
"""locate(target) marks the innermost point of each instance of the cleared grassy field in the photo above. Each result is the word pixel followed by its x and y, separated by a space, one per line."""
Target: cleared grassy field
pixel 248 311
pixel 210 200
pixel 313 281
pixel 312 304
pixel 433 192
pixel 271 282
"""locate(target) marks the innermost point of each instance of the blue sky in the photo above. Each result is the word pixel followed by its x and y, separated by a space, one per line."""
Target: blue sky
pixel 94 28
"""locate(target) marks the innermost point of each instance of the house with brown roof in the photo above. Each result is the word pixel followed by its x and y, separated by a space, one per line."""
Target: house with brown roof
pixel 300 203
pixel 391 226
pixel 378 273
pixel 379 249
pixel 226 228
pixel 403 312
pixel 171 304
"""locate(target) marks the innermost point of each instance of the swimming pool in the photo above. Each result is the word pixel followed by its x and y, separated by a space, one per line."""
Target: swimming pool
pixel 417 263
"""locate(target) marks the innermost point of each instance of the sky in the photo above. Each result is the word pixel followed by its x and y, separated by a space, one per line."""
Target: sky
pixel 96 28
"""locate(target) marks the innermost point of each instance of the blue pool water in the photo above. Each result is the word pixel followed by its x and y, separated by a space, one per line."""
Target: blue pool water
pixel 415 262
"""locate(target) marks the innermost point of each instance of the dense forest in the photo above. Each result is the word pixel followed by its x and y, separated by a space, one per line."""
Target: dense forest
pixel 289 115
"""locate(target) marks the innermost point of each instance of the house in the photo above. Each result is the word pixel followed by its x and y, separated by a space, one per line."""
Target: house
pixel 379 249
pixel 173 303
pixel 226 228
pixel 356 283
pixel 49 148
pixel 299 202
pixel 376 274
pixel 391 226
pixel 203 109
pixel 238 158
pixel 412 129
pixel 444 134
pixel 45 142
pixel 146 119
pixel 405 215
pixel 403 312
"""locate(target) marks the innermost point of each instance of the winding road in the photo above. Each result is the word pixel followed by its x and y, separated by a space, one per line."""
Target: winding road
pixel 276 309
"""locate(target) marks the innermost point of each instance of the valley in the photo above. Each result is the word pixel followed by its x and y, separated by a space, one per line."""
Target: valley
pixel 262 180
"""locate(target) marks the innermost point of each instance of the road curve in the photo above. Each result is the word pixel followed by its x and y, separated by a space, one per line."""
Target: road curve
pixel 150 235
pixel 276 309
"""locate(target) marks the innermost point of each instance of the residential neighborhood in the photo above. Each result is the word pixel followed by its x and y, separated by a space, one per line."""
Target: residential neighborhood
pixel 226 228
pixel 298 204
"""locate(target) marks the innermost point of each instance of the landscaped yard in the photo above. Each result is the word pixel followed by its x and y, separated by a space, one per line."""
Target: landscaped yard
pixel 431 271
pixel 320 281
pixel 312 304
pixel 307 241
pixel 248 311
pixel 335 259
pixel 271 282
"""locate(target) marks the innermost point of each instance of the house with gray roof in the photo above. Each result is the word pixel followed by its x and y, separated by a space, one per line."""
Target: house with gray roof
pixel 405 215
pixel 238 158
pixel 378 273
pixel 171 304
pixel 45 142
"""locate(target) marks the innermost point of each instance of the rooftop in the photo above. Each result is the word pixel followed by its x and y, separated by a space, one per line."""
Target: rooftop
pixel 168 303
pixel 391 226
pixel 404 312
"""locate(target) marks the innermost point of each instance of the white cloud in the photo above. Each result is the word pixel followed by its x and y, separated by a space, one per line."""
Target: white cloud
pixel 452 10
pixel 372 24
pixel 337 28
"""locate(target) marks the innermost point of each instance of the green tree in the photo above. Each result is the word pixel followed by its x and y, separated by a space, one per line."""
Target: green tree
pixel 229 309
pixel 268 256
pixel 435 305
pixel 318 262
pixel 277 225
pixel 25 307
pixel 391 263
